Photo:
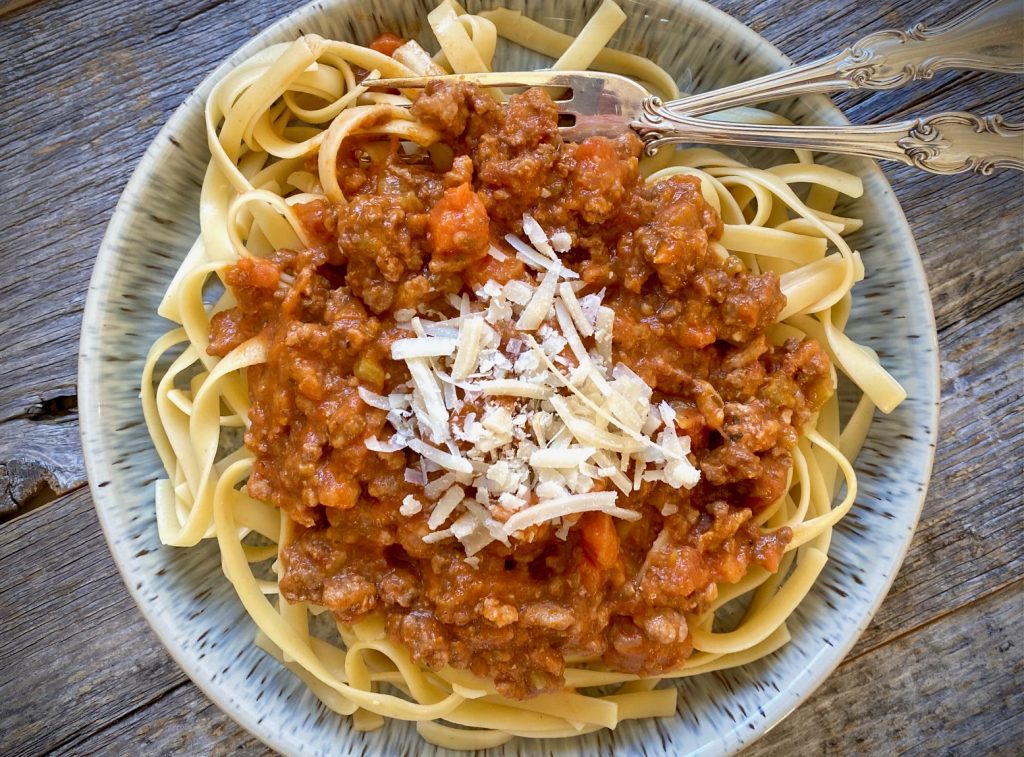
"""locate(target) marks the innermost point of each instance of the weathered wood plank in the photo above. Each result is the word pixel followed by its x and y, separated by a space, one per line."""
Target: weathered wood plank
pixel 10 6
pixel 157 728
pixel 953 687
pixel 969 540
pixel 70 135
pixel 76 654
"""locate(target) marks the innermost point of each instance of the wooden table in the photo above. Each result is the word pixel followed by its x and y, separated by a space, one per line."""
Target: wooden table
pixel 85 87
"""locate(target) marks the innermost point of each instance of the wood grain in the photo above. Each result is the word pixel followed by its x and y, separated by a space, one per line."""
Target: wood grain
pixel 10 6
pixel 77 654
pixel 168 717
pixel 969 539
pixel 973 700
pixel 155 728
pixel 79 670
pixel 70 136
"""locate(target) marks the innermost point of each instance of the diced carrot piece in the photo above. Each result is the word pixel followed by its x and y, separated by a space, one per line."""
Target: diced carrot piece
pixel 600 541
pixel 253 273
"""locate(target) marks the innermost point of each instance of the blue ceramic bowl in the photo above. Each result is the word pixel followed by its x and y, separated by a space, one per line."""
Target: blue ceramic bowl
pixel 193 608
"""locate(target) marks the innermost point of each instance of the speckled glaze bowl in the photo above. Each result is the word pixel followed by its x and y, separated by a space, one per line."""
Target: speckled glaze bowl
pixel 193 608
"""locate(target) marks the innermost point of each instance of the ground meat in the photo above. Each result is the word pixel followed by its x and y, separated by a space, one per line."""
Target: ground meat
pixel 379 241
pixel 635 649
pixel 546 615
pixel 516 156
pixel 420 631
pixel 688 320
pixel 448 108
pixel 498 613
pixel 350 595
pixel 399 587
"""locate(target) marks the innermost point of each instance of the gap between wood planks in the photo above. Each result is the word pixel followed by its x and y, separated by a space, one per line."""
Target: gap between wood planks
pixel 72 739
pixel 42 496
pixel 26 485
pixel 201 10
pixel 935 691
pixel 856 654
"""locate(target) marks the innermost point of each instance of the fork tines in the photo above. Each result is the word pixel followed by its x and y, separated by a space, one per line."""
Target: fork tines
pixel 589 103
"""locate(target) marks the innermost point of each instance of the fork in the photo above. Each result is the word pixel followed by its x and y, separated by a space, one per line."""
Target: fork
pixel 985 38
pixel 609 105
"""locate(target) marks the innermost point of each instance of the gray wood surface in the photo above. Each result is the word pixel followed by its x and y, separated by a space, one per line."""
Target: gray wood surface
pixel 86 84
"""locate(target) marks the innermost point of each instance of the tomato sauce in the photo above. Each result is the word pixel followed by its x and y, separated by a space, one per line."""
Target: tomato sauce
pixel 691 323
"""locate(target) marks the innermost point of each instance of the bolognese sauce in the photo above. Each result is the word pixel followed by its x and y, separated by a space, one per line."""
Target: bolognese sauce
pixel 689 322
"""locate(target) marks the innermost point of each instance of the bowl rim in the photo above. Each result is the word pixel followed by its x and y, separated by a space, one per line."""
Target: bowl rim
pixel 88 373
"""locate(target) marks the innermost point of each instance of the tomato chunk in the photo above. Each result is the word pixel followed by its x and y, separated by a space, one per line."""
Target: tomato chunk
pixel 459 229
pixel 492 269
pixel 598 165
pixel 387 43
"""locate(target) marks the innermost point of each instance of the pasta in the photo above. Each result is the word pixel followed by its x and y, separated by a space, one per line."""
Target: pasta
pixel 303 100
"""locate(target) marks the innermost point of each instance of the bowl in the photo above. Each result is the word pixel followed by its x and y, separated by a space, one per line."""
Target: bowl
pixel 194 610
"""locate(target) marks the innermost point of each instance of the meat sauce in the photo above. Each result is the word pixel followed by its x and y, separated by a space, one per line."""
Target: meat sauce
pixel 690 323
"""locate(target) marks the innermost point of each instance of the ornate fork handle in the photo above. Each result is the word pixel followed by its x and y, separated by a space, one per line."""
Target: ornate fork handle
pixel 945 143
pixel 986 38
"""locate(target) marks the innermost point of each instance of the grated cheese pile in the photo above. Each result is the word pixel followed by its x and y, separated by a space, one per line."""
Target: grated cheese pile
pixel 517 412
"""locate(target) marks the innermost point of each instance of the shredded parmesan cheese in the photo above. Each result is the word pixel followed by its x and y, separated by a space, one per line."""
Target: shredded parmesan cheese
pixel 516 410
pixel 410 506
pixel 561 241
pixel 376 445
pixel 535 259
pixel 422 346
pixel 537 237
pixel 444 459
pixel 572 305
pixel 470 337
pixel 373 400
pixel 540 304
pixel 513 388
pixel 561 458
pixel 563 506
pixel 446 506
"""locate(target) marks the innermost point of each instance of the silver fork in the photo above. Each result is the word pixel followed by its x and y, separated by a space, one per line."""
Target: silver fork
pixel 608 105
pixel 985 38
